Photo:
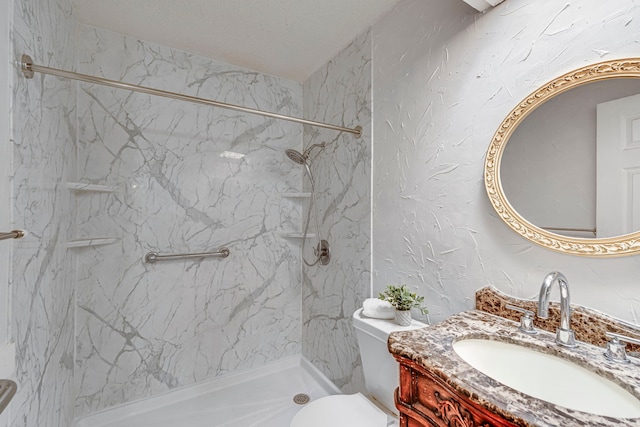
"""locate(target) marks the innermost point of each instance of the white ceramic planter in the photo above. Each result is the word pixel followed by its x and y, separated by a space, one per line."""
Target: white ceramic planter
pixel 403 317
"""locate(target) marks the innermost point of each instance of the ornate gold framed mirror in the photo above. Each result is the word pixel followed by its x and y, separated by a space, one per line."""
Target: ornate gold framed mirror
pixel 564 238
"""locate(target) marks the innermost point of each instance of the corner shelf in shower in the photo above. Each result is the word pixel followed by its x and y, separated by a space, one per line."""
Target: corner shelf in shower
pixel 83 186
pixel 296 235
pixel 296 195
pixel 91 241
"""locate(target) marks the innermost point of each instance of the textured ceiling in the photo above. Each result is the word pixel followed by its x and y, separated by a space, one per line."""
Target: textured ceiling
pixel 286 38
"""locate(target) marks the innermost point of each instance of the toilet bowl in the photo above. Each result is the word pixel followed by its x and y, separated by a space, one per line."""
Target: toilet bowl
pixel 380 377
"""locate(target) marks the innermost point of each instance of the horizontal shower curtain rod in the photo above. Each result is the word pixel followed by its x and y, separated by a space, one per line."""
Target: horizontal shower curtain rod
pixel 29 68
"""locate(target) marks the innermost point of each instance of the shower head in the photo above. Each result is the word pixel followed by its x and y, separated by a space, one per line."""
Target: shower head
pixel 302 158
pixel 296 156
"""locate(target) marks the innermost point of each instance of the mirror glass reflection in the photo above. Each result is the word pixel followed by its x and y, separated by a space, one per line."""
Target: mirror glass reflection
pixel 570 167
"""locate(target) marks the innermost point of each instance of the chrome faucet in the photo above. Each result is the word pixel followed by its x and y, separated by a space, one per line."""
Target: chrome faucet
pixel 564 334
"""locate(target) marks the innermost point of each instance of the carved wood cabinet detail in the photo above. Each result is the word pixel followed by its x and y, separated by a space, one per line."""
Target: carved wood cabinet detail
pixel 424 400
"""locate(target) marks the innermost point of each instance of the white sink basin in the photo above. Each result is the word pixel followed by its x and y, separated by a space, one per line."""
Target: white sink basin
pixel 548 378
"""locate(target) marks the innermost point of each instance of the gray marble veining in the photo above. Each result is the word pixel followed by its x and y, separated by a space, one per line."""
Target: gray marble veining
pixel 432 348
pixel 43 157
pixel 142 329
pixel 146 328
pixel 340 92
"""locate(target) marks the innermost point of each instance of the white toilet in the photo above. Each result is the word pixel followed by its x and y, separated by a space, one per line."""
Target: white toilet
pixel 380 376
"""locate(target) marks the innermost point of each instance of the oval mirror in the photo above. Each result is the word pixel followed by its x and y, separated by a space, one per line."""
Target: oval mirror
pixel 564 171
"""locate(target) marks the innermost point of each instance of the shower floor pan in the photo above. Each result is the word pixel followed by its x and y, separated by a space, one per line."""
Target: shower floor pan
pixel 261 397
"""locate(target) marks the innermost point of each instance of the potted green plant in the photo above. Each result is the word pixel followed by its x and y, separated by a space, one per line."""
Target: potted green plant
pixel 403 300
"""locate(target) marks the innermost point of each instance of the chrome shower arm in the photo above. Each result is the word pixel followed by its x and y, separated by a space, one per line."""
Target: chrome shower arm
pixel 308 150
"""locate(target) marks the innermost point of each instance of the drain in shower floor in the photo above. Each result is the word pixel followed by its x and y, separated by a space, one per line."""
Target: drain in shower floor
pixel 301 398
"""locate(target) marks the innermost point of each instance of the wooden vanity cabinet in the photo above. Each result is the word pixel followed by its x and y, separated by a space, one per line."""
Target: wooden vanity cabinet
pixel 424 400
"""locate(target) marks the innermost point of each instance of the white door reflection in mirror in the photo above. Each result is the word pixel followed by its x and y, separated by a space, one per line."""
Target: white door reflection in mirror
pixel 548 168
pixel 618 167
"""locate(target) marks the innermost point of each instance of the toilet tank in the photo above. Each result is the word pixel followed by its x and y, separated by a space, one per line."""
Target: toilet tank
pixel 381 371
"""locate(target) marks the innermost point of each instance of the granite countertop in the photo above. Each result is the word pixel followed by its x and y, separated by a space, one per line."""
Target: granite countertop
pixel 431 347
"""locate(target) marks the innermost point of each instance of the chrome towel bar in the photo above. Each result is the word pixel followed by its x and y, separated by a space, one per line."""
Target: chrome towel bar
pixel 7 390
pixel 15 234
pixel 152 257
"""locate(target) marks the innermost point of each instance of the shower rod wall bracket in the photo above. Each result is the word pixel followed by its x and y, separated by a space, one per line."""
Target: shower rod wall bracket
pixel 25 64
pixel 29 69
pixel 14 234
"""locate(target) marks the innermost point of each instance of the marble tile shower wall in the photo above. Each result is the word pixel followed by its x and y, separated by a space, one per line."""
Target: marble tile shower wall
pixel 43 143
pixel 340 92
pixel 146 328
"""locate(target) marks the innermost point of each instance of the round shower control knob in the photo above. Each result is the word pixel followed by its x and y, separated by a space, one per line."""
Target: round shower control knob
pixel 323 252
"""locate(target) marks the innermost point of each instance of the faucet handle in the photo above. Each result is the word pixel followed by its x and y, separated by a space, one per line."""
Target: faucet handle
pixel 616 350
pixel 526 321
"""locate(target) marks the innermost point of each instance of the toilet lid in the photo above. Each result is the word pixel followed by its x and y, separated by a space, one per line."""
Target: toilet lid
pixel 352 410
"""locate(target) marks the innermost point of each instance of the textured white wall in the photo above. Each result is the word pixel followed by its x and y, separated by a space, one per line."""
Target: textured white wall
pixel 444 77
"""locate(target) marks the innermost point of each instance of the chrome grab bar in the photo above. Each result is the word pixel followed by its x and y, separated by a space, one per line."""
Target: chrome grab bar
pixel 7 390
pixel 15 234
pixel 152 257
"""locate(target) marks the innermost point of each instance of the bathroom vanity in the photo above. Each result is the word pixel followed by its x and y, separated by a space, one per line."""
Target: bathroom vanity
pixel 425 400
pixel 438 388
